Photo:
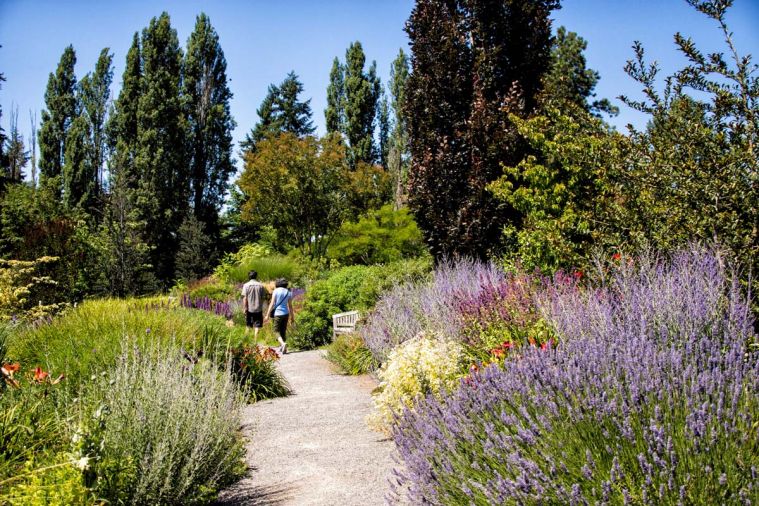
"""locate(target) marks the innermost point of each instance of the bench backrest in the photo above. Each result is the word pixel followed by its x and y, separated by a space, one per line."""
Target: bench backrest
pixel 348 319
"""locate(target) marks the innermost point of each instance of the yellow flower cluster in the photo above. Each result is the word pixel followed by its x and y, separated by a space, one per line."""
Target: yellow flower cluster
pixel 418 367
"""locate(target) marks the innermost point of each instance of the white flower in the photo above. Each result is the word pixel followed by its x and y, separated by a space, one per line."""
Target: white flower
pixel 82 463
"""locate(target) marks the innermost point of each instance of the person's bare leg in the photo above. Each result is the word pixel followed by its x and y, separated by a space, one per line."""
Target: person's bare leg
pixel 255 333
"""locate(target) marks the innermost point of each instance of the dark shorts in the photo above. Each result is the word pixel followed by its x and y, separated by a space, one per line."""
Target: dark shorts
pixel 280 326
pixel 254 319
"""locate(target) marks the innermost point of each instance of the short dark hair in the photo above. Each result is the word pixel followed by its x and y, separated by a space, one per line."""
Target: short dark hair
pixel 252 275
pixel 281 283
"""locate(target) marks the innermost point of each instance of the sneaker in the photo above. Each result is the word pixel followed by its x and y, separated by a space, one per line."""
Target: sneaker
pixel 284 349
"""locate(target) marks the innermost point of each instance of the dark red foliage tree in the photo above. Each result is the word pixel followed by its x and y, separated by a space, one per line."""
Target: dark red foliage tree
pixel 474 63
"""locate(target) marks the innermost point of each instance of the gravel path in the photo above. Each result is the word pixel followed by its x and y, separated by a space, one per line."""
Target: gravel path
pixel 313 447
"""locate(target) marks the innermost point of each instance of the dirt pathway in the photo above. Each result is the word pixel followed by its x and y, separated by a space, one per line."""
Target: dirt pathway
pixel 314 447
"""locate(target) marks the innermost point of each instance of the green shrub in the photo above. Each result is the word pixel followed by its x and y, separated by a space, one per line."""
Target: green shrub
pixel 350 354
pixel 244 254
pixel 381 236
pixel 268 268
pixel 48 483
pixel 349 288
pixel 160 430
pixel 89 338
pixel 214 289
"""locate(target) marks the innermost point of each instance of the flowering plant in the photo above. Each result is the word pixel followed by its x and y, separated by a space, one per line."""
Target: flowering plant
pixel 419 367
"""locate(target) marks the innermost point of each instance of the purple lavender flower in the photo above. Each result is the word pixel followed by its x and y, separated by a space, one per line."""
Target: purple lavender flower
pixel 651 392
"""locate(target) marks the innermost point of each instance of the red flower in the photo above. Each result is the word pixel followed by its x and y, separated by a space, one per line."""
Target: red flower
pixel 40 375
pixel 616 257
pixel 544 346
pixel 577 274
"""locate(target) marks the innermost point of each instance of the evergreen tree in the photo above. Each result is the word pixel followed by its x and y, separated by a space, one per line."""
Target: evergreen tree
pixel 281 111
pixel 3 158
pixel 295 116
pixel 568 80
pixel 474 63
pixel 195 250
pixel 267 122
pixel 398 150
pixel 383 118
pixel 162 161
pixel 60 103
pixel 95 90
pixel 360 99
pixel 207 97
pixel 16 153
pixel 122 124
pixel 79 175
pixel 334 114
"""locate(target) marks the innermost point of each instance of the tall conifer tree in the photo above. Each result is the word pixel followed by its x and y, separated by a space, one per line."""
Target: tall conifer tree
pixel 79 174
pixel 59 113
pixel 123 125
pixel 207 97
pixel 162 163
pixel 281 111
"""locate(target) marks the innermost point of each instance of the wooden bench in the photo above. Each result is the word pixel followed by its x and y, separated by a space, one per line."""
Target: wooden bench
pixel 344 323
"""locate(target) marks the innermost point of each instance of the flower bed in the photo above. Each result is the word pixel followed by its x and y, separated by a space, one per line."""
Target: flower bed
pixel 650 398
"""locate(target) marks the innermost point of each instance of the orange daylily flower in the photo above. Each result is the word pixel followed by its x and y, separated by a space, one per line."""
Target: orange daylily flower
pixel 9 369
pixel 40 375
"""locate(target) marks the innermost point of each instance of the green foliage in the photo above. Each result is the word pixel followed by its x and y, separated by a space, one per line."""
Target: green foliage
pixel 159 430
pixel 212 288
pixel 244 255
pixel 88 339
pixel 399 157
pixel 346 289
pixel 360 103
pixel 296 186
pixel 206 97
pixel 334 114
pixel 380 236
pixel 57 482
pixel 281 111
pixel 29 425
pixel 351 355
pixel 568 80
pixel 196 250
pixel 563 191
pixel 59 112
pixel 21 287
pixel 162 163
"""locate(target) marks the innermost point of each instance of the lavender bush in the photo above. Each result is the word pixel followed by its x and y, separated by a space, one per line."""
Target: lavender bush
pixel 651 398
pixel 431 308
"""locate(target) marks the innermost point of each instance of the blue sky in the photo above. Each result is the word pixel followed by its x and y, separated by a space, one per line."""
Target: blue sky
pixel 264 40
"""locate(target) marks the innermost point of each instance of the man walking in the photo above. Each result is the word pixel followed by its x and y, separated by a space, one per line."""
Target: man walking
pixel 253 295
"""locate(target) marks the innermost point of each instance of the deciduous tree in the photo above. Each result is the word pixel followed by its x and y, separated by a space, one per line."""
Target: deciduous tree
pixel 207 95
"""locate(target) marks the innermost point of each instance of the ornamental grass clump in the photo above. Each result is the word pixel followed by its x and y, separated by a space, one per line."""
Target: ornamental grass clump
pixel 650 398
pixel 160 429
pixel 420 367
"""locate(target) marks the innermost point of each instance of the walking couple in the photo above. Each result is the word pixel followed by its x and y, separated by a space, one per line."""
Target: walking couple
pixel 280 309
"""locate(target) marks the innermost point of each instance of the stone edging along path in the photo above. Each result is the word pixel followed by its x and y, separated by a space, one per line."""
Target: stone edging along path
pixel 313 447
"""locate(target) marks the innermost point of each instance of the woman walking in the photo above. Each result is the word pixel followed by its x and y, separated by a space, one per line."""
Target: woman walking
pixel 281 311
